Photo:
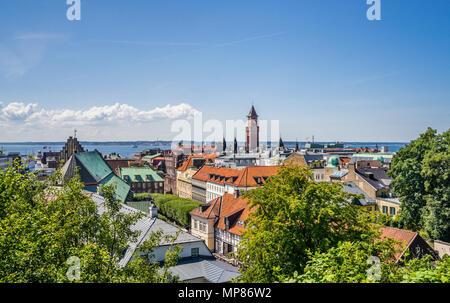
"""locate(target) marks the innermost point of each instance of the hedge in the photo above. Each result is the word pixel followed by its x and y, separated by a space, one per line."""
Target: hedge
pixel 142 197
pixel 175 208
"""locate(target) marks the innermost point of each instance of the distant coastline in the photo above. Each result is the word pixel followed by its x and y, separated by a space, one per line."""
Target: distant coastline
pixel 160 142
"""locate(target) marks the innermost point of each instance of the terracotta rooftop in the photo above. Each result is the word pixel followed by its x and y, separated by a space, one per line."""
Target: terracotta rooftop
pixel 296 159
pixel 255 175
pixel 209 158
pixel 236 211
pixel 209 210
pixel 403 236
pixel 251 176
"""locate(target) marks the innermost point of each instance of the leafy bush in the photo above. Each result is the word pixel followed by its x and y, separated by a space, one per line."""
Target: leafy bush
pixel 175 208
pixel 142 197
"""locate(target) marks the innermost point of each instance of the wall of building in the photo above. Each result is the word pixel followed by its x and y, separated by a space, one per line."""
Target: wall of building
pixel 442 248
pixel 199 190
pixel 390 206
pixel 204 229
pixel 160 251
pixel 223 237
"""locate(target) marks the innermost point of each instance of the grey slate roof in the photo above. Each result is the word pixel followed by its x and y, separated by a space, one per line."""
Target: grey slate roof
pixel 146 226
pixel 313 157
pixel 213 270
pixel 379 179
pixel 352 188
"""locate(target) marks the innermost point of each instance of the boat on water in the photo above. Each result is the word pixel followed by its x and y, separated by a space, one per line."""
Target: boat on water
pixel 134 146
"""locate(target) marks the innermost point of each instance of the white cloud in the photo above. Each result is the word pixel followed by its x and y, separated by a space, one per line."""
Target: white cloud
pixel 97 115
pixel 16 111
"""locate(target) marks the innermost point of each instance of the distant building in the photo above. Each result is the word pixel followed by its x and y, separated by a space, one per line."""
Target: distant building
pixel 71 147
pixel 50 159
pixel 252 131
pixel 8 159
pixel 94 173
pixel 409 241
pixel 223 180
pixel 366 201
pixel 187 170
pixel 142 179
pixel 199 180
pixel 316 162
pixel 172 162
pixel 117 164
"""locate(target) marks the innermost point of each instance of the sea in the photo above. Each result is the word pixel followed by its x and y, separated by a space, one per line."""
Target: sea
pixel 127 149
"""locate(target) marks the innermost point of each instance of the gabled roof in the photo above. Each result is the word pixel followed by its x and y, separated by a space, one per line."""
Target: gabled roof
pixel 296 159
pixel 209 210
pixel 94 171
pixel 146 226
pixel 122 188
pixel 236 211
pixel 209 158
pixel 203 173
pixel 247 177
pixel 405 237
pixel 250 175
pixel 94 163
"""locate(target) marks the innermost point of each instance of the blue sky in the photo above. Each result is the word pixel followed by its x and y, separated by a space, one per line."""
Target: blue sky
pixel 318 66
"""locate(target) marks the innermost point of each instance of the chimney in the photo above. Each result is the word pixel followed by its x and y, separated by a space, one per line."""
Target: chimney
pixel 227 223
pixel 153 211
pixel 236 193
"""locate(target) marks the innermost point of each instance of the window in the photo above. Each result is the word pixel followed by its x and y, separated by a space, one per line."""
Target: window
pixel 392 211
pixel 385 210
pixel 195 252
pixel 195 224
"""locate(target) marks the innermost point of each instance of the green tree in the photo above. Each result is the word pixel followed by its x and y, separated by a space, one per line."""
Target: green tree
pixel 436 174
pixel 43 227
pixel 353 262
pixel 293 217
pixel 421 174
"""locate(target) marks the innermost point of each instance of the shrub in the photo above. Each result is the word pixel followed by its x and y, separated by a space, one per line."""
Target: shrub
pixel 175 208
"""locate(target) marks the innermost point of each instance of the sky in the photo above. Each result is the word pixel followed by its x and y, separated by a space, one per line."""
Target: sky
pixel 128 69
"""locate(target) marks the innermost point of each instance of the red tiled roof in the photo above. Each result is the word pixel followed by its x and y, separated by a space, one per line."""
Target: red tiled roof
pixel 209 210
pixel 203 173
pixel 344 160
pixel 246 177
pixel 238 209
pixel 403 236
pixel 249 175
pixel 208 158
pixel 296 159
